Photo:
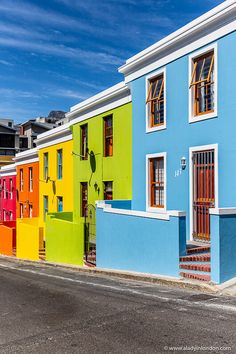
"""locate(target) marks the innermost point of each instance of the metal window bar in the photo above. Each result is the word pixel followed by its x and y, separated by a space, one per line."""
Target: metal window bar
pixel 157 182
pixel 203 193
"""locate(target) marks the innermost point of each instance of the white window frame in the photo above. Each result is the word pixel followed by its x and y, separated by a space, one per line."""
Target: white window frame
pixel 10 188
pixel 21 180
pixel 195 149
pixel 21 210
pixel 31 179
pixel 4 189
pixel 192 118
pixel 148 207
pixel 148 78
pixel 30 210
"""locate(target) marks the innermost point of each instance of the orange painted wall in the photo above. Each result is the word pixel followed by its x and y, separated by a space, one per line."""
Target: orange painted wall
pixel 7 238
pixel 26 197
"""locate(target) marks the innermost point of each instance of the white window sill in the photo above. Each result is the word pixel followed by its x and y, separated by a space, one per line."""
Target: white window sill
pixel 155 129
pixel 156 210
pixel 194 119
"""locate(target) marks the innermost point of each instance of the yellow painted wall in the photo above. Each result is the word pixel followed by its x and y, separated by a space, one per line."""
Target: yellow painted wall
pixel 29 238
pixel 55 187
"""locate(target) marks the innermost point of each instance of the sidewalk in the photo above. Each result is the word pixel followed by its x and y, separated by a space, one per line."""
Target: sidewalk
pixel 227 289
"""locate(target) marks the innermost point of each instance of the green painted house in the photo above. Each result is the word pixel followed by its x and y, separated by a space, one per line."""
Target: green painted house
pixel 102 170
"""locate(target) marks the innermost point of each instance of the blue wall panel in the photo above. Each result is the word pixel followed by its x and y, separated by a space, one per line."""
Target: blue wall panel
pixel 223 247
pixel 139 244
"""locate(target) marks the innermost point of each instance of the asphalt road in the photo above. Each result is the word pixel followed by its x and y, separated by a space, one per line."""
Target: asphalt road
pixel 46 309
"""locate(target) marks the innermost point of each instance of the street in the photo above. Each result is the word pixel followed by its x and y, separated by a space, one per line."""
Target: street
pixel 46 309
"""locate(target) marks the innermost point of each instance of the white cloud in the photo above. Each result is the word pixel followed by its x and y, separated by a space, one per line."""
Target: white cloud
pixel 5 62
pixel 95 59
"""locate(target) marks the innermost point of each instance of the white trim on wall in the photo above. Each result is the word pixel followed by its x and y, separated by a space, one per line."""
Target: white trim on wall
pixel 23 162
pixel 191 150
pixel 207 28
pixel 7 174
pixel 148 208
pixel 148 78
pixel 192 118
pixel 78 117
pixel 55 141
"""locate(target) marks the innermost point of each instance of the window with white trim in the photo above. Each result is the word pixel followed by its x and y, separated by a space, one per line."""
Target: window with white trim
pixel 203 84
pixel 11 189
pixel 21 210
pixel 31 179
pixel 21 180
pixel 156 182
pixel 4 189
pixel 30 210
pixel 155 101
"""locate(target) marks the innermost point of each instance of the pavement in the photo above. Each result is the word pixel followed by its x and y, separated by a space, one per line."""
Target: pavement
pixel 46 309
pixel 227 288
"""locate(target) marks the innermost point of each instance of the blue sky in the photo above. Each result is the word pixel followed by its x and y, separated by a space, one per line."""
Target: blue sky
pixel 55 53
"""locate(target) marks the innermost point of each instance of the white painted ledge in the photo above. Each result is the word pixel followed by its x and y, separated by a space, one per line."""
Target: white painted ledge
pixel 107 208
pixel 223 211
pixel 176 213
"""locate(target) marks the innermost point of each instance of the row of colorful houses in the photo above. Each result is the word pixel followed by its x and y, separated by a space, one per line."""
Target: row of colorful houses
pixel 142 178
pixel 48 195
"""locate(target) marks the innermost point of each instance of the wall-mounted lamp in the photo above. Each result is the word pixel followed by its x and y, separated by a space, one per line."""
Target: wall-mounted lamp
pixel 183 162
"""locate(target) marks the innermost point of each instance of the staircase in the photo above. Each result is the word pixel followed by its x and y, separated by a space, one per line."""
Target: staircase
pixel 90 258
pixel 42 255
pixel 197 263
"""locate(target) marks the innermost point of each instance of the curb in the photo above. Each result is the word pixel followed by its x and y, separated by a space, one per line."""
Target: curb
pixel 134 276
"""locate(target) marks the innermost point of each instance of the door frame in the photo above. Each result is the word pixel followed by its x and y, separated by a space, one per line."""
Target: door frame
pixel 196 149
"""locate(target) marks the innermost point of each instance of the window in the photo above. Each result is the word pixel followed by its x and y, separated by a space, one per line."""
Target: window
pixel 203 85
pixel 108 136
pixel 156 179
pixel 59 204
pixel 59 164
pixel 31 179
pixel 21 210
pixel 4 215
pixel 4 189
pixel 84 198
pixel 21 180
pixel 11 215
pixel 84 142
pixel 30 210
pixel 45 206
pixel 7 140
pixel 45 168
pixel 11 189
pixel 155 102
pixel 23 142
pixel 108 190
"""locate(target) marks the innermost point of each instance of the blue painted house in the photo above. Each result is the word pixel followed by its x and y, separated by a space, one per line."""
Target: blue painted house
pixel 181 221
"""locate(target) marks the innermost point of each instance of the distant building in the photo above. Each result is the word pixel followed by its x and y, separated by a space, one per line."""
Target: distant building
pixel 15 138
pixel 9 141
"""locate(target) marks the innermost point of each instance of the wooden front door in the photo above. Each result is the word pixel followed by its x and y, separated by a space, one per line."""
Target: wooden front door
pixel 203 192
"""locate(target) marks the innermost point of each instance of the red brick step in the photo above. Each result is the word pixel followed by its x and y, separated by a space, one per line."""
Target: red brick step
pixel 196 258
pixel 199 267
pixel 201 277
pixel 201 249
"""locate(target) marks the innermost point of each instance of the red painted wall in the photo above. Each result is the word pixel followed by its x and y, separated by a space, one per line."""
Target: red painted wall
pixel 7 199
